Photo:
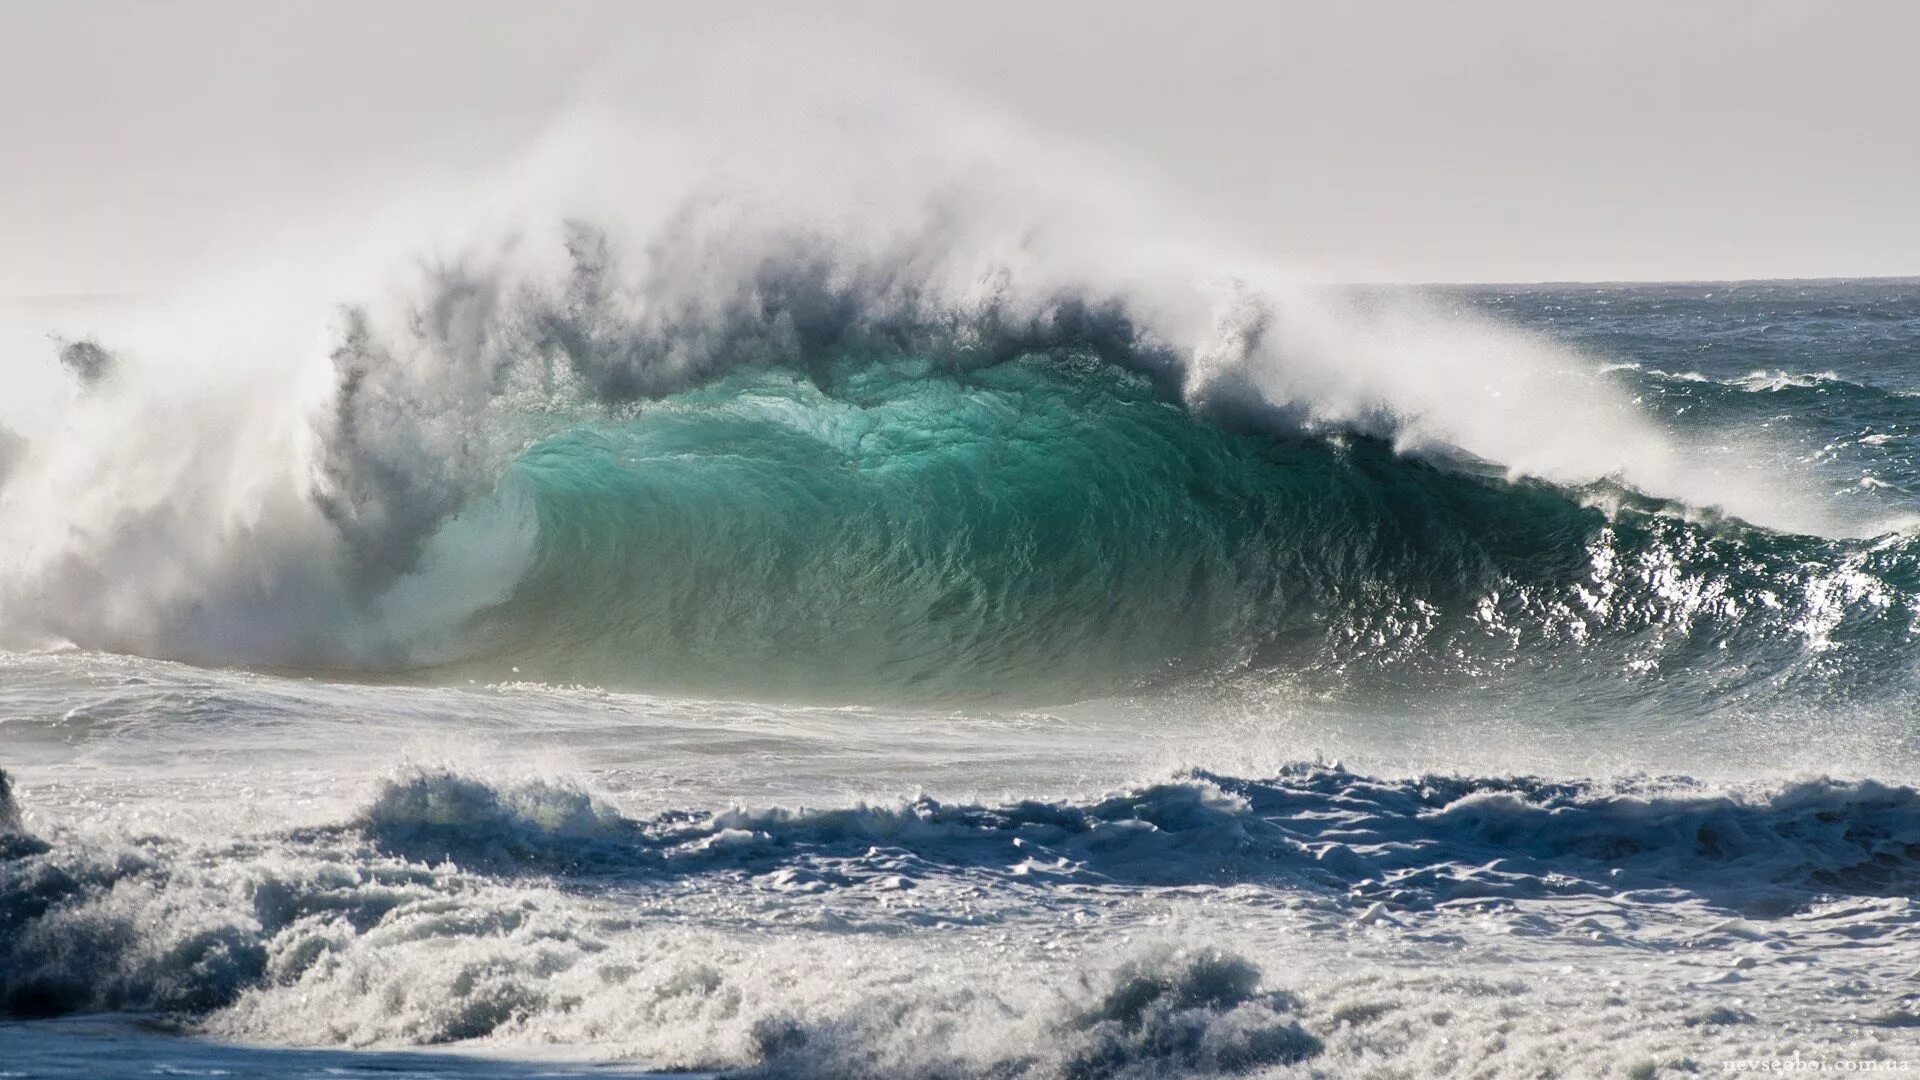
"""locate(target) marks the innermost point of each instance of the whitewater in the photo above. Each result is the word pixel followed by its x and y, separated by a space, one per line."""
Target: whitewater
pixel 669 608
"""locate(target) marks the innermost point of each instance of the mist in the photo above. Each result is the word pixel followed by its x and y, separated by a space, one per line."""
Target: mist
pixel 1490 141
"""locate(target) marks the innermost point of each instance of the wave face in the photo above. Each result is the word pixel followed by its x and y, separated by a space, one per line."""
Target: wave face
pixel 1054 526
pixel 1051 523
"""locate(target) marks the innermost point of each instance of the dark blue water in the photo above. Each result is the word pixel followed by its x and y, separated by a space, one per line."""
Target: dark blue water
pixel 1828 365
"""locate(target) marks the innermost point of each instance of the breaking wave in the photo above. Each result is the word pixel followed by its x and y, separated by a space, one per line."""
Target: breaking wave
pixel 1410 844
pixel 729 450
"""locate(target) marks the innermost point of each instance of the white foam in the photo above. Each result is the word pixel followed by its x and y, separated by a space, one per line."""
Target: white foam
pixel 1482 931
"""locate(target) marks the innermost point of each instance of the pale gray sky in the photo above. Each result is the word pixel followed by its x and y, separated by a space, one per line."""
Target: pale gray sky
pixel 1496 140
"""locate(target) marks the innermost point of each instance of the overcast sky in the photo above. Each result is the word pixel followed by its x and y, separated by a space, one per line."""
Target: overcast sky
pixel 1426 141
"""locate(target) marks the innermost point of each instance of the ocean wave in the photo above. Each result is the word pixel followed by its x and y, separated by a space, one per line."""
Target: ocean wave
pixel 1762 381
pixel 1775 381
pixel 1192 1012
pixel 223 935
pixel 1048 523
pixel 726 448
pixel 1051 526
pixel 452 909
pixel 1412 843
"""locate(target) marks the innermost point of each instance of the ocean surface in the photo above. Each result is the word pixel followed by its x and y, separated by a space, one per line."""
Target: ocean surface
pixel 810 674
